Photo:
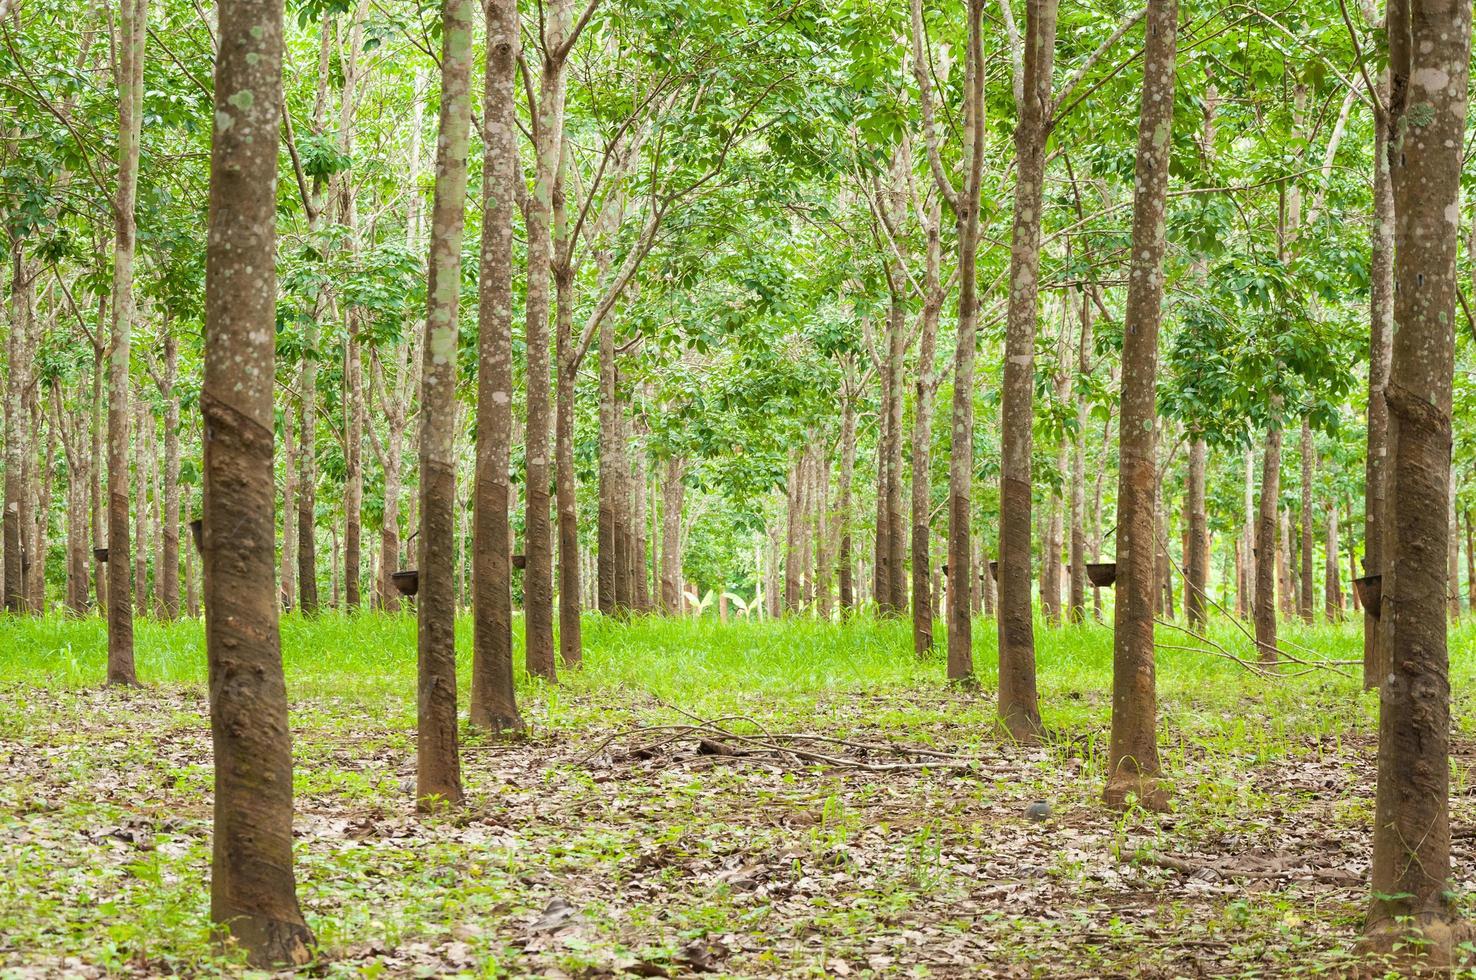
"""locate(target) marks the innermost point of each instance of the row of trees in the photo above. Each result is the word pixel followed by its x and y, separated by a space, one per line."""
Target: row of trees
pixel 774 236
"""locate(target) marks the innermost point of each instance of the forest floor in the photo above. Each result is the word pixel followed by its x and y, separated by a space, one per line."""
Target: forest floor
pixel 589 849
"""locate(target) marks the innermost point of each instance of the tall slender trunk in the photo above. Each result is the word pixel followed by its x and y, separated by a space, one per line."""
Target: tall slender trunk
pixel 1267 527
pixel 610 466
pixel 493 694
pixel 1196 560
pixel 549 134
pixel 17 348
pixel 353 367
pixel 671 536
pixel 824 563
pixel 437 756
pixel 252 887
pixel 1470 563
pixel 1453 590
pixel 844 563
pixel 640 542
pixel 1248 565
pixel 1332 586
pixel 1133 763
pixel 1309 462
pixel 1429 58
pixel 1076 603
pixel 307 415
pixel 143 419
pixel 965 203
pixel 97 459
pixel 922 438
pixel 1380 350
pixel 133 19
pixel 168 574
pixel 793 519
pixel 288 565
pixel 896 521
pixel 571 645
pixel 1018 705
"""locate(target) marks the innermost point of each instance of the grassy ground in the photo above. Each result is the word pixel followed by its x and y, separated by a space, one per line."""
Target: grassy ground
pixel 579 856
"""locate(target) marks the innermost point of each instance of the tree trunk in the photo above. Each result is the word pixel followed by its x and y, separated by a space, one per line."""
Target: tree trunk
pixel 1333 586
pixel 1453 591
pixel 493 693
pixel 17 349
pixel 1309 459
pixel 252 887
pixel 1429 56
pixel 353 368
pixel 1380 347
pixel 1018 705
pixel 671 536
pixel 1470 563
pixel 610 466
pixel 1196 558
pixel 141 421
pixel 307 415
pixel 1267 527
pixel 1133 764
pixel 896 521
pixel 288 565
pixel 845 571
pixel 97 460
pixel 538 547
pixel 133 19
pixel 571 644
pixel 922 439
pixel 437 757
pixel 793 518
pixel 1076 603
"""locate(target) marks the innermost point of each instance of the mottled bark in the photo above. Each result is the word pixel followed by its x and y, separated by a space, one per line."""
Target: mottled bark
pixel 1018 706
pixel 1380 347
pixel 1429 56
pixel 1133 765
pixel 252 887
pixel 965 204
pixel 437 755
pixel 493 694
pixel 133 18
pixel 549 135
pixel 922 437
pixel 571 644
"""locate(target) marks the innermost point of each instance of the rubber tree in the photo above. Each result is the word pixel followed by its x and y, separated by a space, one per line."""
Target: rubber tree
pixel 133 23
pixel 1133 763
pixel 1429 58
pixel 437 759
pixel 964 203
pixel 493 694
pixel 253 893
pixel 1018 709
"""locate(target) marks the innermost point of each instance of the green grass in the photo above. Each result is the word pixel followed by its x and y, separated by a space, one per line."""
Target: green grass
pixel 104 806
